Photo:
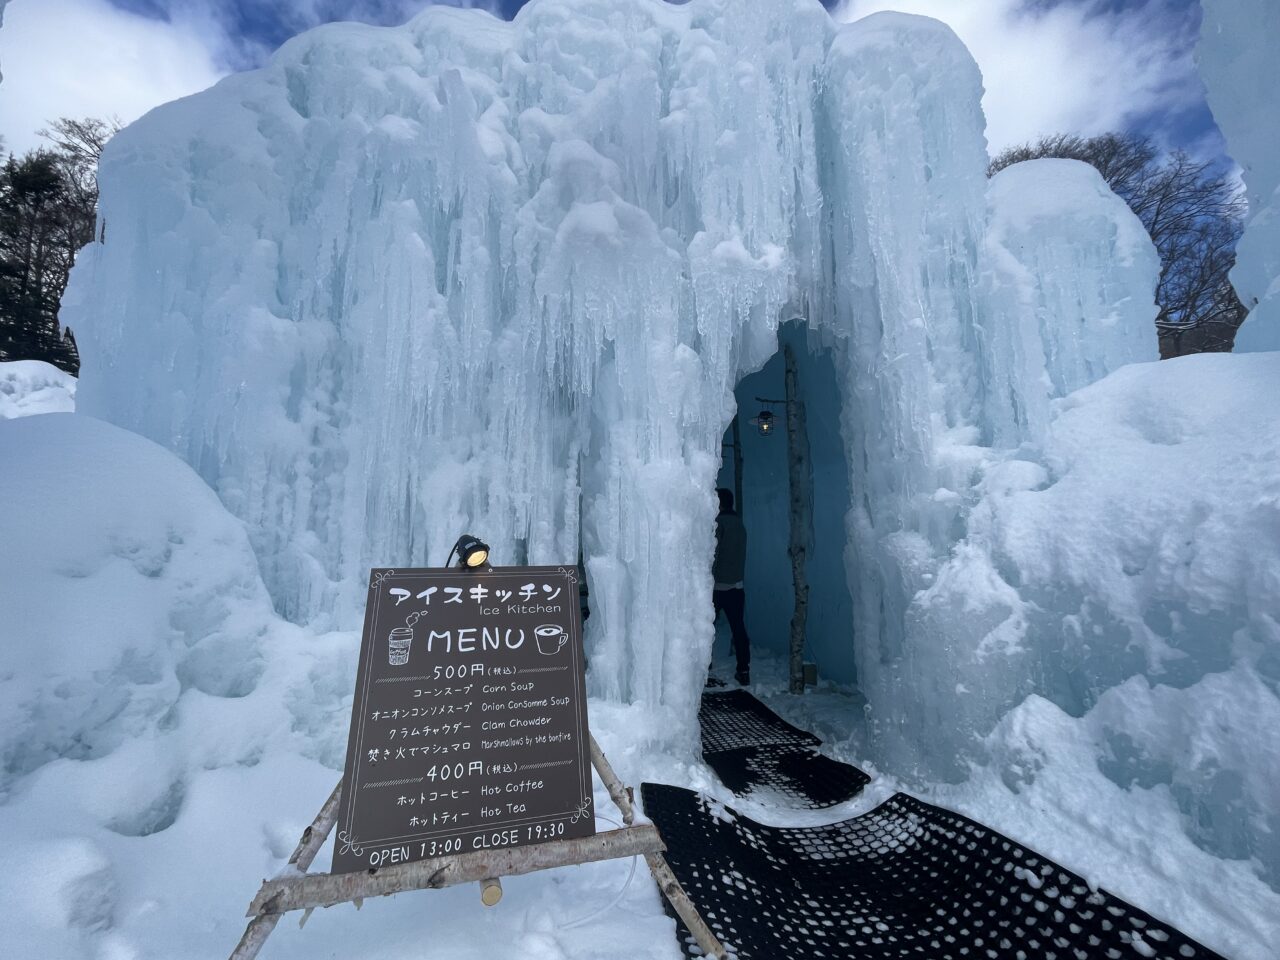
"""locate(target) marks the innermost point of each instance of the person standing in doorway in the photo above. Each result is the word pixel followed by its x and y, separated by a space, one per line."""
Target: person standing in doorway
pixel 728 571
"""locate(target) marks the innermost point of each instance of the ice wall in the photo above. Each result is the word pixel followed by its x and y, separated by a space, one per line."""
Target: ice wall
pixel 472 275
pixel 906 208
pixel 1238 42
pixel 3 4
pixel 503 278
pixel 1071 274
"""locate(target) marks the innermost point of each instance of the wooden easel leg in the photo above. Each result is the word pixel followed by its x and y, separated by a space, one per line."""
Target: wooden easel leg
pixel 313 838
pixel 658 866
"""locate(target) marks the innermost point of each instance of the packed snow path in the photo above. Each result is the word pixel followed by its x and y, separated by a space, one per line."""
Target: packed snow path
pixel 907 879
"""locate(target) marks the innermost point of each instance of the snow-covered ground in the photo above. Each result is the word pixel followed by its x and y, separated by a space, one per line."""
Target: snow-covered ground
pixel 32 386
pixel 165 737
pixel 1048 786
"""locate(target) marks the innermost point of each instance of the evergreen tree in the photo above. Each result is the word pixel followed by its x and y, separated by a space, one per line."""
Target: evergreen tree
pixel 48 211
pixel 33 229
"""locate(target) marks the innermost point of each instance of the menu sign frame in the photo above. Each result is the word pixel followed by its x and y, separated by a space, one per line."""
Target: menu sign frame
pixel 469 723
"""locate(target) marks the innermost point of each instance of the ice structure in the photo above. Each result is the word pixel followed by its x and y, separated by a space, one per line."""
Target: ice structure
pixel 470 275
pixel 1069 283
pixel 3 4
pixel 1241 76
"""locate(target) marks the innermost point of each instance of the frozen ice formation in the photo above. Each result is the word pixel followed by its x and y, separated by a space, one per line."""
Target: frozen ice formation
pixel 503 278
pixel 1241 75
pixel 3 4
pixel 1071 273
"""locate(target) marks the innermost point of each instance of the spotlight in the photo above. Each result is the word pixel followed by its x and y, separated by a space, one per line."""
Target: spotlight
pixel 472 553
pixel 764 423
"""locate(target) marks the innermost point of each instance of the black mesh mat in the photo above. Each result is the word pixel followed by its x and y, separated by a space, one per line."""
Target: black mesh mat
pixel 907 879
pixel 752 748
pixel 735 718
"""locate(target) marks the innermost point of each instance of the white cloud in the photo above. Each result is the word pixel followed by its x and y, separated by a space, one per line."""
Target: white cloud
pixel 1048 68
pixel 1067 68
pixel 79 58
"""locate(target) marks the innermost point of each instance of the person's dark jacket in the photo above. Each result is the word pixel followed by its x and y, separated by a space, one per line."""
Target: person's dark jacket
pixel 731 549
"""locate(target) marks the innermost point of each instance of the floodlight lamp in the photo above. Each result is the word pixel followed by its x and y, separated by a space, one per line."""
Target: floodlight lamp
pixel 473 554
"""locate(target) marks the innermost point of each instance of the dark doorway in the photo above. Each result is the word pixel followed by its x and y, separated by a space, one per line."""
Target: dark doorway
pixel 765 508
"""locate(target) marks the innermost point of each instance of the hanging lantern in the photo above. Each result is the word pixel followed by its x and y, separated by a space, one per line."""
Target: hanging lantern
pixel 764 423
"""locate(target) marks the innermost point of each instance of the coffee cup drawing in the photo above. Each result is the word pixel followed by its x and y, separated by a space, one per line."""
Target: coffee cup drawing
pixel 551 639
pixel 398 643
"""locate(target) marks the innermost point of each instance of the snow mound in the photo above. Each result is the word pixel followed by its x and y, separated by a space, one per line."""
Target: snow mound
pixel 1112 574
pixel 1067 787
pixel 29 387
pixel 1238 40
pixel 165 738
pixel 153 585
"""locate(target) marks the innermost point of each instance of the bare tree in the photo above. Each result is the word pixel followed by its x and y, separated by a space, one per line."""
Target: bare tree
pixel 78 146
pixel 1194 215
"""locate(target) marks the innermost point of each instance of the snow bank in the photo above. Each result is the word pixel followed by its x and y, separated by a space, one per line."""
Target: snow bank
pixel 1129 570
pixel 1238 40
pixel 1063 786
pixel 134 618
pixel 1044 784
pixel 32 386
pixel 1160 611
pixel 165 738
pixel 154 585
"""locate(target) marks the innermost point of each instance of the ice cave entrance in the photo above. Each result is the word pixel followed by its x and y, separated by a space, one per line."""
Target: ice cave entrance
pixel 766 510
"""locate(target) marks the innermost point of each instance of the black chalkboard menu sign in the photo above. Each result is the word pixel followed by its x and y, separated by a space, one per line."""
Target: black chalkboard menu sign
pixel 469 727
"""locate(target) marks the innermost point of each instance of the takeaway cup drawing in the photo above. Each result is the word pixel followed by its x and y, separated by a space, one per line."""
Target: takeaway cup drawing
pixel 551 639
pixel 398 643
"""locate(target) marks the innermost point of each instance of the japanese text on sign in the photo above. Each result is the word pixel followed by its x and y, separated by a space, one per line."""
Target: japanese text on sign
pixel 469 726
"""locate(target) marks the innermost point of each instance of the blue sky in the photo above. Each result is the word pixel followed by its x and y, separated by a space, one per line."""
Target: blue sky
pixel 1081 66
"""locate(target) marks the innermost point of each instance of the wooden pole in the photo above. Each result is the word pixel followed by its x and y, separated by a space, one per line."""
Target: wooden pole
pixel 657 863
pixel 737 468
pixel 313 838
pixel 295 889
pixel 435 873
pixel 490 891
pixel 801 519
pixel 620 795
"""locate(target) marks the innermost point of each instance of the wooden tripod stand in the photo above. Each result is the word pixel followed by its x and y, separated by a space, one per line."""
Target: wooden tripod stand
pixel 296 889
